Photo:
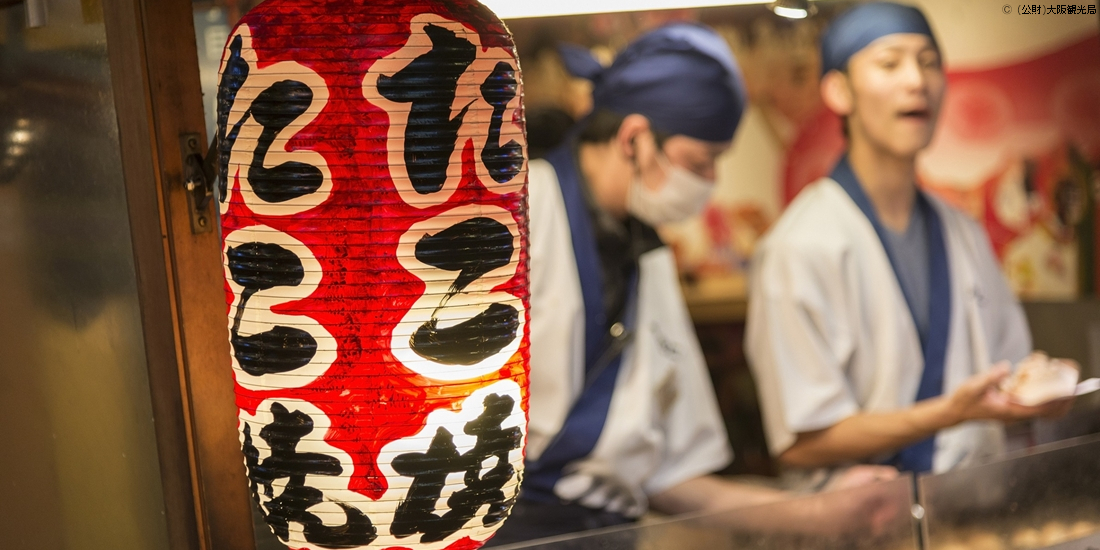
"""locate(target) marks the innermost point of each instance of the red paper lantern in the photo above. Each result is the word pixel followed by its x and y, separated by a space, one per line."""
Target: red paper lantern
pixel 374 226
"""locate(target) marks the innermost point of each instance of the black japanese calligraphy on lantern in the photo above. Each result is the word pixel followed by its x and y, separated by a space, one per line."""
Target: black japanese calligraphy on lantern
pixel 274 109
pixel 259 110
pixel 504 162
pixel 429 82
pixel 445 92
pixel 266 268
pixel 472 248
pixel 429 470
pixel 464 324
pixel 234 74
pixel 259 266
pixel 282 435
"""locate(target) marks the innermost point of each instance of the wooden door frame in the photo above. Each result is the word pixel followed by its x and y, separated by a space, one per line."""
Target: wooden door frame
pixel 155 77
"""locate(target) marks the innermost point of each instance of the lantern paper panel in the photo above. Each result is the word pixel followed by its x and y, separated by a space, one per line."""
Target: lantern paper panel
pixel 373 207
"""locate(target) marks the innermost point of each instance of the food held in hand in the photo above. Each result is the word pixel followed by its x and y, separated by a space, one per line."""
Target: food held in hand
pixel 1027 538
pixel 1039 379
pixel 985 541
pixel 1081 529
pixel 1054 532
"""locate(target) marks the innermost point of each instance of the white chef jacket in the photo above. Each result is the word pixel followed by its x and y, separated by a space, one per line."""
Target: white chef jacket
pixel 663 426
pixel 830 334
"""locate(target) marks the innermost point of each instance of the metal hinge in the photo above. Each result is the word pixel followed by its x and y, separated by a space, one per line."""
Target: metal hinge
pixel 198 181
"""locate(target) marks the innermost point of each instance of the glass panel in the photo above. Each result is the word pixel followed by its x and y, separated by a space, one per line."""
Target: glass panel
pixel 211 29
pixel 1035 499
pixel 871 517
pixel 78 462
pixel 213 21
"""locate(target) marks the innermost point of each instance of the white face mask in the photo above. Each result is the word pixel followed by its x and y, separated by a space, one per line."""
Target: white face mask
pixel 682 195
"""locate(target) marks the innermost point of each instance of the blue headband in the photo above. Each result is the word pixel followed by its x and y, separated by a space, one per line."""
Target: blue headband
pixel 682 77
pixel 856 28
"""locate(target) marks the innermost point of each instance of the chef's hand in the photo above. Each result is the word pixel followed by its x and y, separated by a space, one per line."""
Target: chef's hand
pixel 868 510
pixel 981 398
pixel 857 476
pixel 858 506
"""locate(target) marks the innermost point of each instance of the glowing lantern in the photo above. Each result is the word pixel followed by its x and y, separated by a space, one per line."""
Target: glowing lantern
pixel 373 209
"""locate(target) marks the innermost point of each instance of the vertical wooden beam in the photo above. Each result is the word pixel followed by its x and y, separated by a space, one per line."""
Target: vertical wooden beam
pixel 154 66
pixel 126 53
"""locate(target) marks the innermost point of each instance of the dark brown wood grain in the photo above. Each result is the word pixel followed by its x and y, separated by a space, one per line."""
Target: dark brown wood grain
pixel 154 68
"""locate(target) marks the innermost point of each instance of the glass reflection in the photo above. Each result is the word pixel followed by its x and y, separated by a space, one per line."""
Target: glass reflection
pixel 874 516
pixel 78 462
pixel 1040 498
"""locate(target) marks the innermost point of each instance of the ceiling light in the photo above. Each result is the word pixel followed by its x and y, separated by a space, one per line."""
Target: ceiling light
pixel 513 9
pixel 20 136
pixel 793 9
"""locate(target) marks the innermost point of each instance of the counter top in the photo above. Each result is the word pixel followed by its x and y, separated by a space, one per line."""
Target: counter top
pixel 1044 497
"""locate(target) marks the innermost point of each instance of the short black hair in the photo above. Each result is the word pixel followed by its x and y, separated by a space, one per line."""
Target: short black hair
pixel 603 124
pixel 547 127
pixel 600 126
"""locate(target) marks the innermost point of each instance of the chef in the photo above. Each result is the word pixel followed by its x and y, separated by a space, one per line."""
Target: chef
pixel 623 417
pixel 878 316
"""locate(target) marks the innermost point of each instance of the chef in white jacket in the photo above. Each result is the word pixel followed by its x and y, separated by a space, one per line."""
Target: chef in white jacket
pixel 623 416
pixel 877 313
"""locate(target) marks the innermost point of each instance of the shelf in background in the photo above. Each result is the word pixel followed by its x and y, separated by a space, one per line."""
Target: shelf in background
pixel 716 299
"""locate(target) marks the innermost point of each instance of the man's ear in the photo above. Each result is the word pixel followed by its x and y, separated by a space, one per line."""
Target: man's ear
pixel 633 126
pixel 836 93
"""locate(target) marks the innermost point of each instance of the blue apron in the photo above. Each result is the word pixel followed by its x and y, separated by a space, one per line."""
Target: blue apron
pixel 603 354
pixel 918 456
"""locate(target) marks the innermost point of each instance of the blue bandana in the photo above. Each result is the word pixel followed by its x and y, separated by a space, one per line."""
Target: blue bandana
pixel 856 28
pixel 682 77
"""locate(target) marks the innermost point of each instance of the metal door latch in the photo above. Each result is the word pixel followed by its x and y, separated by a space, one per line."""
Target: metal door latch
pixel 198 182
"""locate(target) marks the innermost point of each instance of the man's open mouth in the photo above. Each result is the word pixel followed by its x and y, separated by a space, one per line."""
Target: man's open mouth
pixel 916 114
